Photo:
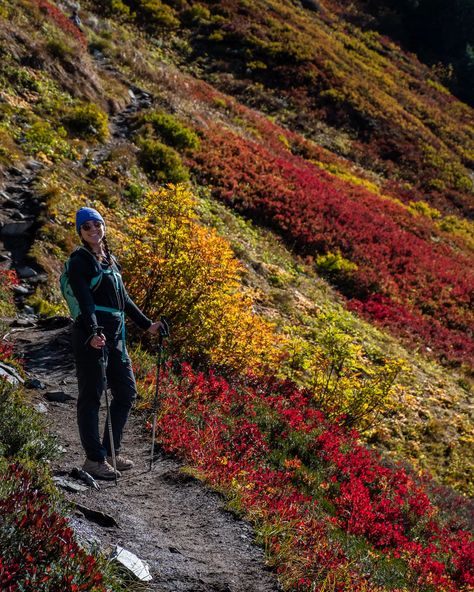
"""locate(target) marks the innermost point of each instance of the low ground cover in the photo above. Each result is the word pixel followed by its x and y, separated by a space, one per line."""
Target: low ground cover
pixel 331 514
pixel 394 273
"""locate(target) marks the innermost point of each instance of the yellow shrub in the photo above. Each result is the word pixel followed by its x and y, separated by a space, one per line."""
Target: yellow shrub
pixel 341 376
pixel 181 269
pixel 423 209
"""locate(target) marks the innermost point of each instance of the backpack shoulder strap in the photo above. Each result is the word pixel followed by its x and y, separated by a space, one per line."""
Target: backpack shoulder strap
pixel 86 254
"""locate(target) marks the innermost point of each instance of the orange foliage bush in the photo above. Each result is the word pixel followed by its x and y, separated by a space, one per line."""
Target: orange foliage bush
pixel 181 269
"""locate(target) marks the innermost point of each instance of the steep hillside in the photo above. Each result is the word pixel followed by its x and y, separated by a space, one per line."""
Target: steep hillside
pixel 354 91
pixel 439 33
pixel 406 264
pixel 339 174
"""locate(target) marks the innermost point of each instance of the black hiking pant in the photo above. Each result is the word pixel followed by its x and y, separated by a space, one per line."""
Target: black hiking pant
pixel 120 380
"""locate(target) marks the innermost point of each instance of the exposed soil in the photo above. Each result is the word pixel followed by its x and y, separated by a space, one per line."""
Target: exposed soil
pixel 166 517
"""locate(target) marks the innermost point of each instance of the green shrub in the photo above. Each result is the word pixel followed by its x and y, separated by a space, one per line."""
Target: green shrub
pixel 157 14
pixel 197 14
pixel 423 209
pixel 22 429
pixel 173 132
pixel 119 8
pixel 216 36
pixel 22 79
pixel 345 383
pixel 7 279
pixel 332 96
pixel 335 267
pixel 45 308
pixel 87 121
pixel 219 103
pixel 458 226
pixel 135 191
pixel 162 163
pixel 256 65
pixel 42 137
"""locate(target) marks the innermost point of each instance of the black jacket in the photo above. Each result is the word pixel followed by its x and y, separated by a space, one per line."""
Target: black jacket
pixel 82 268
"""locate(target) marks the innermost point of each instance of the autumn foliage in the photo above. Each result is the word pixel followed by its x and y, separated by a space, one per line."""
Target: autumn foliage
pixel 38 549
pixel 61 20
pixel 307 67
pixel 420 288
pixel 331 514
pixel 177 267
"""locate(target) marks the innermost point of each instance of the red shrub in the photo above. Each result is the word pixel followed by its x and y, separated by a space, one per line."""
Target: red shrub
pixel 62 21
pixel 310 483
pixel 39 551
pixel 422 290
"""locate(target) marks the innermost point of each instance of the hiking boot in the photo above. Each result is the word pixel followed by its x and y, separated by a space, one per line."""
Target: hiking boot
pixel 100 470
pixel 122 464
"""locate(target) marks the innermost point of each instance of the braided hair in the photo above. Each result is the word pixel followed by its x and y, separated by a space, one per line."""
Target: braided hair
pixel 108 255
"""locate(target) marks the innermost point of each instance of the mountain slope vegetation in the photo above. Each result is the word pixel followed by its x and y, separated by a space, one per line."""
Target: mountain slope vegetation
pixel 337 169
pixel 440 33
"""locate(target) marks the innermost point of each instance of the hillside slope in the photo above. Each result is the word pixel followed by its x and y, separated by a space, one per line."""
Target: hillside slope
pixel 204 131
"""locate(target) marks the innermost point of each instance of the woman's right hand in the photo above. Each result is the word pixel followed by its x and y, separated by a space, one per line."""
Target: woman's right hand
pixel 98 341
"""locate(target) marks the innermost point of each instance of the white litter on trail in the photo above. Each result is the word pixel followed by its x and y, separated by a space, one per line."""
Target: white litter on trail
pixel 138 567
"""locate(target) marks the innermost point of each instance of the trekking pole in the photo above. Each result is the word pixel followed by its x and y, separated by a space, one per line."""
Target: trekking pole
pixel 103 365
pixel 164 332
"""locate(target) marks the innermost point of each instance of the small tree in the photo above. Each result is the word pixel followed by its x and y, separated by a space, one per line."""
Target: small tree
pixel 345 383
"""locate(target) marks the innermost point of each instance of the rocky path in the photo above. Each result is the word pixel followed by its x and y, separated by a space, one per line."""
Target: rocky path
pixel 19 210
pixel 164 516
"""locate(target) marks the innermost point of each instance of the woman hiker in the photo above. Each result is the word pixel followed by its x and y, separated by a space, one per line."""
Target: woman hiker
pixel 95 329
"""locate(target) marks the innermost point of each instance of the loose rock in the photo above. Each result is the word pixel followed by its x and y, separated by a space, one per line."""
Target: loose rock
pixel 21 290
pixel 98 517
pixel 34 383
pixel 58 396
pixel 23 322
pixel 69 485
pixel 10 374
pixel 26 272
pixel 41 408
pixel 16 228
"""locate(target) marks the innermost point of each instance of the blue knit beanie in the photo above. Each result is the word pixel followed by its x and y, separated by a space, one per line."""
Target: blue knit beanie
pixel 86 215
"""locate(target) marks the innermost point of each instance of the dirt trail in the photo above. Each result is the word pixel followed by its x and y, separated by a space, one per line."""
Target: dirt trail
pixel 170 520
